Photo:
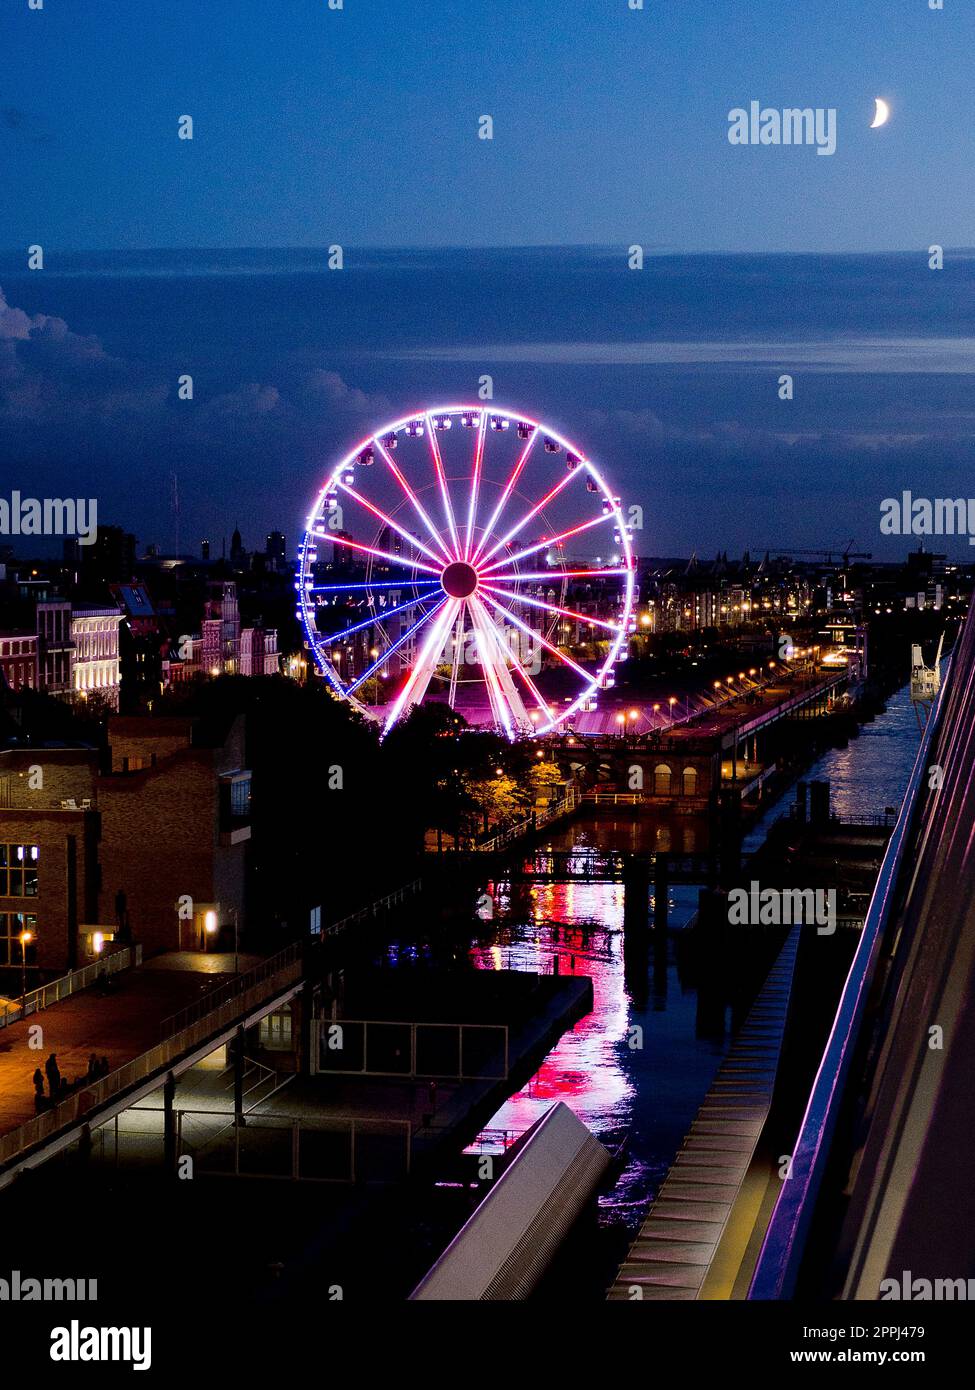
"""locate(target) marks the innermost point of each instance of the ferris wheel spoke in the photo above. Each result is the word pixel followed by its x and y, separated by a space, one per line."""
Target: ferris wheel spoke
pixel 375 618
pixel 506 660
pixel 388 521
pixel 475 483
pixel 373 584
pixel 382 554
pixel 552 574
pixel 505 700
pixel 442 483
pixel 419 678
pixel 390 650
pixel 549 607
pixel 455 660
pixel 411 495
pixel 537 636
pixel 549 540
pixel 509 487
pixel 539 506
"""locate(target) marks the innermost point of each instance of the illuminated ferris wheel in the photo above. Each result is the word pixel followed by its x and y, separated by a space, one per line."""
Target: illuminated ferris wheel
pixel 471 557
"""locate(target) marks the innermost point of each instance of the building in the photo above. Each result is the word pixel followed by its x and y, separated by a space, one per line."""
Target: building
pixel 48 857
pixel 151 847
pixel 175 813
pixel 55 648
pixel 96 659
pixel 18 660
pixel 259 654
pixel 221 630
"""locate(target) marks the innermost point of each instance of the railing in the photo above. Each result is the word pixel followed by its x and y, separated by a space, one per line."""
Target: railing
pixel 529 824
pixel 612 798
pixel 370 913
pixel 268 979
pixel 778 1263
pixel 88 975
pixel 418 1049
pixel 233 989
pixel 184 1030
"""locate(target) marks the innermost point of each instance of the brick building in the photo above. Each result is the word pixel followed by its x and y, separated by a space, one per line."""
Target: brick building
pixel 153 845
pixel 18 660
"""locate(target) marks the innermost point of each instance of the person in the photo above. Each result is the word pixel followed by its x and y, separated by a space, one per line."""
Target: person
pixel 104 1068
pixel 53 1076
pixel 92 1067
pixel 38 1081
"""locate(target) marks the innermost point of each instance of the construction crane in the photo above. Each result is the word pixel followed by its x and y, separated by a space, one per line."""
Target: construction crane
pixel 845 553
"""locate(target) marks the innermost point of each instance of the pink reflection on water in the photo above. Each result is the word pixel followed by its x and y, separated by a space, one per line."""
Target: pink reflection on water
pixel 581 924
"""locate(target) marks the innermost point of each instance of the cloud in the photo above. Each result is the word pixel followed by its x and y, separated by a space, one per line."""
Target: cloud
pixel 841 355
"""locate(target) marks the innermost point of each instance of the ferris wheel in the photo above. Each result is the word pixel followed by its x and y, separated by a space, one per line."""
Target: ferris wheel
pixel 472 557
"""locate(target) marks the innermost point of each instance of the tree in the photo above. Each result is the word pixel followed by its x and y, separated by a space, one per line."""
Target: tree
pixel 498 799
pixel 543 778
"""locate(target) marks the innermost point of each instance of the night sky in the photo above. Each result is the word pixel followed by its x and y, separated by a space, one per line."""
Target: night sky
pixel 358 127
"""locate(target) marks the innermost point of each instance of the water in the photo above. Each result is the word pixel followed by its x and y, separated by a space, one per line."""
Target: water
pixel 652 1092
pixel 869 774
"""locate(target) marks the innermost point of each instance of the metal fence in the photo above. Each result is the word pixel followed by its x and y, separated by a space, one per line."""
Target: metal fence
pixel 777 1267
pixel 108 964
pixel 533 822
pixel 370 913
pixel 233 989
pixel 426 1051
pixel 249 991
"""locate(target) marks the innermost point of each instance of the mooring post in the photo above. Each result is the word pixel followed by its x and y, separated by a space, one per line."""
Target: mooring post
pixel 661 893
pixel 636 893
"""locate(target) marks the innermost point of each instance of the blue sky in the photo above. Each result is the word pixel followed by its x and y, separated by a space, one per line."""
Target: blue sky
pixel 358 126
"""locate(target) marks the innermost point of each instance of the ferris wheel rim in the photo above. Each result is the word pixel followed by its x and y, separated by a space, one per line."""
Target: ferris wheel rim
pixel 469 552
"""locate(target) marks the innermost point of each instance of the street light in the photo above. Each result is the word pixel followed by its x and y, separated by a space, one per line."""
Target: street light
pixel 25 938
pixel 672 702
pixel 210 925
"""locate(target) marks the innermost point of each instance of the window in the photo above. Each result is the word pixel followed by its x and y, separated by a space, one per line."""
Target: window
pixel 690 781
pixel 661 780
pixel 276 1030
pixel 12 926
pixel 18 871
pixel 240 797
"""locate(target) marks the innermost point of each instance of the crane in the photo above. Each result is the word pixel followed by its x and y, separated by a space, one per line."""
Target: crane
pixel 846 553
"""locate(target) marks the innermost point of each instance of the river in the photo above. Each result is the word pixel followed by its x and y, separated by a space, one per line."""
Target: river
pixel 649 1093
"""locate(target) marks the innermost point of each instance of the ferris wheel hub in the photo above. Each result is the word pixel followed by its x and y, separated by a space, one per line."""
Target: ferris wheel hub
pixel 459 579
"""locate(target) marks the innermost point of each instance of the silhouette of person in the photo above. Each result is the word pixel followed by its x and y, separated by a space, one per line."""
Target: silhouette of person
pixel 53 1076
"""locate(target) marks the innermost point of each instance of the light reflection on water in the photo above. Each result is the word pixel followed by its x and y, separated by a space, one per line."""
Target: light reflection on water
pixel 653 1093
pixel 650 1092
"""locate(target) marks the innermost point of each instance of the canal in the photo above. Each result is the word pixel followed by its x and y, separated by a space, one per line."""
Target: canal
pixel 638 1066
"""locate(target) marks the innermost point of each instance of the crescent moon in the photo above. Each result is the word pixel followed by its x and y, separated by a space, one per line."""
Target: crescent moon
pixel 881 115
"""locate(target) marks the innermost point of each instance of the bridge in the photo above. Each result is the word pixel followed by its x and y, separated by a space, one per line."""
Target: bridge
pixel 607 866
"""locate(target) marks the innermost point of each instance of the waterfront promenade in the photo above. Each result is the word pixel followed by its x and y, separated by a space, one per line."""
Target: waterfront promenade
pixel 119 1024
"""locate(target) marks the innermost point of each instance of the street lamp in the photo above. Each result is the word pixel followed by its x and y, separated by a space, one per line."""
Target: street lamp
pixel 26 938
pixel 210 924
pixel 672 702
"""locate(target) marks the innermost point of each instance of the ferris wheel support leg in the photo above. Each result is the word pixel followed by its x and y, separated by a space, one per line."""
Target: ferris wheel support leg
pixel 455 662
pixel 499 663
pixel 415 687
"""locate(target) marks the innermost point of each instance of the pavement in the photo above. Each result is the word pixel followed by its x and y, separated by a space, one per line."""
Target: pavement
pixel 119 1025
